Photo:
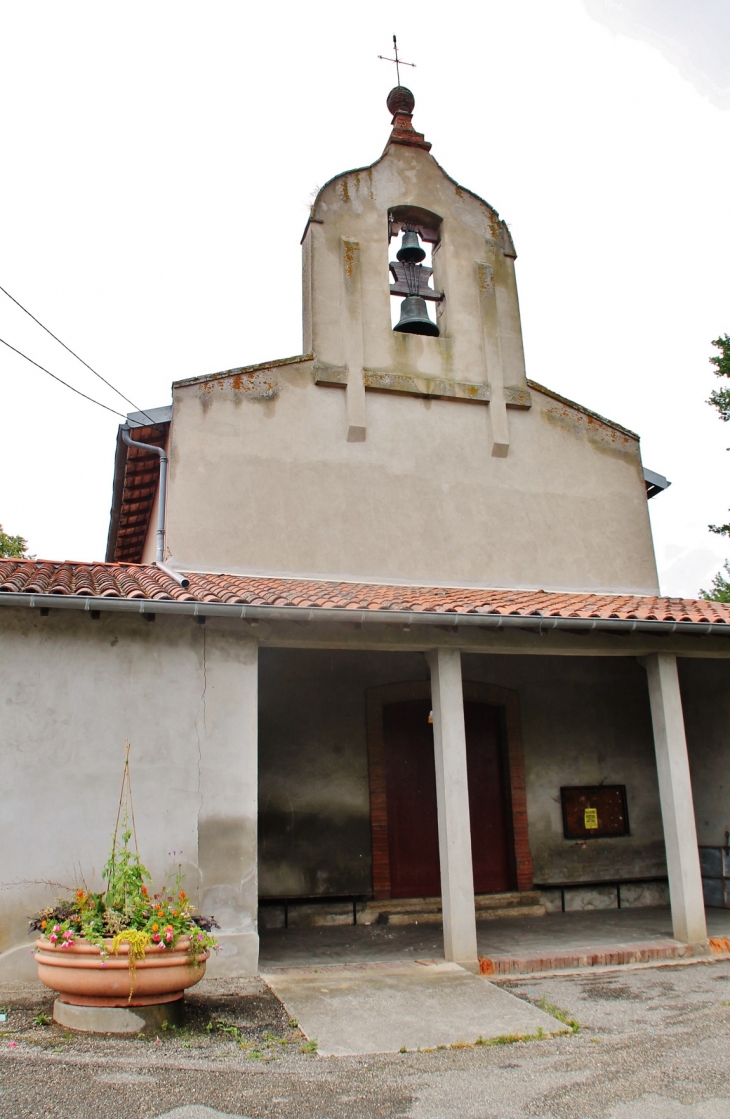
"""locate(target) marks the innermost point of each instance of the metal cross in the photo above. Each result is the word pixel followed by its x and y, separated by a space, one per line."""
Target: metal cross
pixel 398 61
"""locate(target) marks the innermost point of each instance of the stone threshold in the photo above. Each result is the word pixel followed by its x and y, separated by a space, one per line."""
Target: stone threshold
pixel 415 911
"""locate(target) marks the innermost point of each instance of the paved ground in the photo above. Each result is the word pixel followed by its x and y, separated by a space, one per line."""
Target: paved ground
pixel 654 1043
pixel 552 934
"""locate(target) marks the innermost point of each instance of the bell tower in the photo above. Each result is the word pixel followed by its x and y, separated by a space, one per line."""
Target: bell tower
pixel 366 242
pixel 405 444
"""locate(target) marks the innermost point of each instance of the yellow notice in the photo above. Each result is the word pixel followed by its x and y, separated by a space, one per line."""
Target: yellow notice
pixel 590 818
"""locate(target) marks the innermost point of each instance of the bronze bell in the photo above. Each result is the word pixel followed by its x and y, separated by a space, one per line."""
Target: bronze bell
pixel 410 250
pixel 414 317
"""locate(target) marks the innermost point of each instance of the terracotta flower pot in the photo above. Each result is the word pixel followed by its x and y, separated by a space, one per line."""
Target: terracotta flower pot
pixel 84 978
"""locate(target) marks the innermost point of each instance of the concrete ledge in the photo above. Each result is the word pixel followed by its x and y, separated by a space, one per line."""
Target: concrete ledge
pixel 118 1019
pixel 17 964
pixel 238 956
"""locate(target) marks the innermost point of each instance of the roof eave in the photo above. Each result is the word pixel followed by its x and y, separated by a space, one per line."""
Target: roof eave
pixel 536 622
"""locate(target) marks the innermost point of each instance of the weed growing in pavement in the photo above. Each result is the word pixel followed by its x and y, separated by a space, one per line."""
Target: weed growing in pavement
pixel 309 1046
pixel 220 1025
pixel 42 1019
pixel 561 1015
pixel 503 1039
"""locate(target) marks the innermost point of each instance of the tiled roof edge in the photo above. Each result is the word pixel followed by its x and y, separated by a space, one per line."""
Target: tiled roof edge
pixel 581 408
pixel 144 588
pixel 242 369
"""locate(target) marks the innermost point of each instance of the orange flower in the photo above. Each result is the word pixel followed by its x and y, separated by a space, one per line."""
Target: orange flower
pixel 174 912
pixel 183 895
pixel 43 924
pixel 155 928
pixel 144 890
pixel 79 894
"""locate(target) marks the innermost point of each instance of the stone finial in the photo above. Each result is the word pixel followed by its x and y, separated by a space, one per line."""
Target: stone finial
pixel 401 103
pixel 401 100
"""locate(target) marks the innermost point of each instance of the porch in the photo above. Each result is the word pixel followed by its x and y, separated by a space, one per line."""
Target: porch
pixel 513 945
pixel 329 836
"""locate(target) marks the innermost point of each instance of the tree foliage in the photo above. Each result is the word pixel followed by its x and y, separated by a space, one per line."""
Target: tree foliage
pixel 14 547
pixel 720 590
pixel 720 399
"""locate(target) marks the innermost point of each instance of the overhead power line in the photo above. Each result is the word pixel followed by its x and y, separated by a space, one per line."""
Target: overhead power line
pixel 68 386
pixel 74 354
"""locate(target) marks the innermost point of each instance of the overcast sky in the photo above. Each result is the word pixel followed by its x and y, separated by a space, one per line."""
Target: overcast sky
pixel 158 160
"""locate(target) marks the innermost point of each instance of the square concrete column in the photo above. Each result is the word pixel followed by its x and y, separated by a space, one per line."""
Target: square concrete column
pixel 227 730
pixel 452 797
pixel 675 792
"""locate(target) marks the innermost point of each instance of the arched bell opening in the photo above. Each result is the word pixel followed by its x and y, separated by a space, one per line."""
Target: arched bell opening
pixel 411 271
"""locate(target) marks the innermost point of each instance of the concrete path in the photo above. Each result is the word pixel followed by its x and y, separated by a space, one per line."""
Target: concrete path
pixel 388 1009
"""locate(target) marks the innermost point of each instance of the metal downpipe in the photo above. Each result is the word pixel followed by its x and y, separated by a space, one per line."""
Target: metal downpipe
pixel 162 501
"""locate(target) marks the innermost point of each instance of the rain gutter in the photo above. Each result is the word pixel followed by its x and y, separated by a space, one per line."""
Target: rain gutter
pixel 404 618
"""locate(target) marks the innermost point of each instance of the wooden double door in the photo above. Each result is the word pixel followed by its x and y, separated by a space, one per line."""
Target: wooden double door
pixel 410 779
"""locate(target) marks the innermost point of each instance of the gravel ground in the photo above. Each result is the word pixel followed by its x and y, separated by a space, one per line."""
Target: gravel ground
pixel 653 1042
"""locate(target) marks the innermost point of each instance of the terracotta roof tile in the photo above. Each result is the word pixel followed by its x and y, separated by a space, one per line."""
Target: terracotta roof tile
pixel 137 581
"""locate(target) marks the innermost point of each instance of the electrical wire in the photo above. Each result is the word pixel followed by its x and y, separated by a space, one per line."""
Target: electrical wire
pixel 68 386
pixel 108 383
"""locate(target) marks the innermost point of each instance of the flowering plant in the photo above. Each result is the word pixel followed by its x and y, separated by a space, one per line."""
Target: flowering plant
pixel 127 911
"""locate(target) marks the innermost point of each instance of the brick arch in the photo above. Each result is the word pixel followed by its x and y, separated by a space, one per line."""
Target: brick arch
pixel 508 700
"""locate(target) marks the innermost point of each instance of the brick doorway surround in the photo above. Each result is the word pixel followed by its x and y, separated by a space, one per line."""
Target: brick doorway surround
pixel 505 698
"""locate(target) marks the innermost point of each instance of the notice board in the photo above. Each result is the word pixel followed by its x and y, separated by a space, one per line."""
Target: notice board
pixel 594 811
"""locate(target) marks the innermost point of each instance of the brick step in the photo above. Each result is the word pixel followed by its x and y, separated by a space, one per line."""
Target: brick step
pixel 613 955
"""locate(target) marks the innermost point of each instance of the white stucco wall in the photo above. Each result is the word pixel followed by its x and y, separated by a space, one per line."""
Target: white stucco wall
pixel 71 691
pixel 263 480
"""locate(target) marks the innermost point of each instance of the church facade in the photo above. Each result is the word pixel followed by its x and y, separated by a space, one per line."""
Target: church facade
pixel 389 639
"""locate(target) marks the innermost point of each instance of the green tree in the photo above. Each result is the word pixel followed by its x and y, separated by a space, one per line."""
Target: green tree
pixel 720 399
pixel 14 547
pixel 720 590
